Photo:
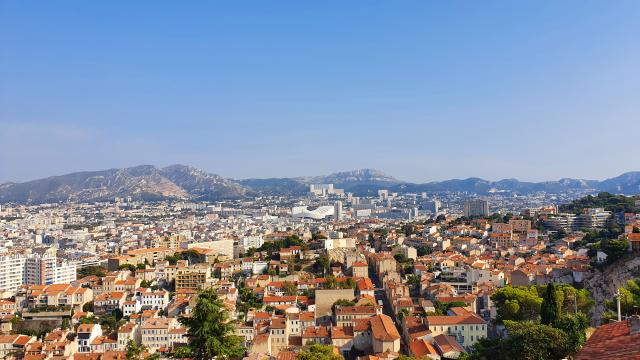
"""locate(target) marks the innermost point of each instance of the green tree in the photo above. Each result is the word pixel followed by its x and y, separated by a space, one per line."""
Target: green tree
pixel 629 298
pixel 91 270
pixel 343 302
pixel 129 267
pixel 424 250
pixel 443 307
pixel 616 249
pixel 403 313
pixel 526 341
pixel 350 283
pixel 88 307
pixel 574 326
pixel 331 282
pixel 211 333
pixel 318 352
pixel 324 263
pixel 536 341
pixel 134 351
pixel 526 298
pixel 550 308
pixel 290 288
pixel 248 300
pixel 414 281
pixel 182 352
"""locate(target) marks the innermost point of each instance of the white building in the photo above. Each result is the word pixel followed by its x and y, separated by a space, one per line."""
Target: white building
pixel 86 334
pixel 12 267
pixel 252 241
pixel 156 300
pixel 221 247
pixel 338 211
pixel 38 268
pixel 259 267
pixel 42 268
pixel 330 244
pixel 316 213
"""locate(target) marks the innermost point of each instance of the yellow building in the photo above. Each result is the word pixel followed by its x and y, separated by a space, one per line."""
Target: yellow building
pixel 465 326
pixel 193 277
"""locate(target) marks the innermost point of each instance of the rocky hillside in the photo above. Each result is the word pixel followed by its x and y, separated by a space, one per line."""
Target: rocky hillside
pixel 185 182
pixel 204 186
pixel 603 283
pixel 140 182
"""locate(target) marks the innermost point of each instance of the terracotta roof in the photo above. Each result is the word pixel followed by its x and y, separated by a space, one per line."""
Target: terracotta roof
pixel 287 355
pixel 421 348
pixel 349 310
pixel 340 332
pixel 278 323
pixel 446 343
pixel 85 328
pixel 455 320
pixel 612 341
pixel 382 328
pixel 307 316
pixel 315 332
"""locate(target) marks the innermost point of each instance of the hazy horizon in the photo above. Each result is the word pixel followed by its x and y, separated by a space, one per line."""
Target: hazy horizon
pixel 423 91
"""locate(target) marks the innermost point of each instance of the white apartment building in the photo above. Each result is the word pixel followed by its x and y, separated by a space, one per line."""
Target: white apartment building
pixel 38 268
pixel 255 241
pixel 42 268
pixel 12 271
pixel 156 300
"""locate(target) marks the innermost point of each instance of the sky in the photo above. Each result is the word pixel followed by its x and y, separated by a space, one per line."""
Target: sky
pixel 422 90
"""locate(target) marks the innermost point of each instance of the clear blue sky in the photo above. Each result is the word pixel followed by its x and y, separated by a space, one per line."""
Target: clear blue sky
pixel 423 90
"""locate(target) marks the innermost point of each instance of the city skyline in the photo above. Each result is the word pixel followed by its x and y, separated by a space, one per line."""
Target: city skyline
pixel 424 92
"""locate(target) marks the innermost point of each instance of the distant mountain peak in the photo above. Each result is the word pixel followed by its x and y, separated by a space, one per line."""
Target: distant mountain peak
pixel 360 175
pixel 142 182
pixel 186 182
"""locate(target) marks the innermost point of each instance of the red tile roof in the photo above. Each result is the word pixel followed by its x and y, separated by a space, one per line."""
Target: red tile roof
pixel 612 341
pixel 382 328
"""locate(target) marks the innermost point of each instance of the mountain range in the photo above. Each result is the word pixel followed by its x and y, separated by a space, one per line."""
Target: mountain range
pixel 148 182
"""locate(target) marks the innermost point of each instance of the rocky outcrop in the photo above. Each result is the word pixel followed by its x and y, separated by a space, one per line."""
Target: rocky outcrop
pixel 603 283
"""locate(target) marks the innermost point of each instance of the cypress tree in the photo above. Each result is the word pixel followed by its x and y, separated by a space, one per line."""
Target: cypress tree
pixel 550 309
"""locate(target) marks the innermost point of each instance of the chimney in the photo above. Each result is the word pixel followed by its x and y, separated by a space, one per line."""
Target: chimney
pixel 634 325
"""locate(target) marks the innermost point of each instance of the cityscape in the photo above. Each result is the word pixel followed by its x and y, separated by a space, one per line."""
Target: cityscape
pixel 292 180
pixel 376 275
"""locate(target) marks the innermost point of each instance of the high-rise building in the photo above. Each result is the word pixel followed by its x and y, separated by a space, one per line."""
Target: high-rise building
pixel 321 189
pixel 338 211
pixel 11 271
pixel 477 207
pixel 254 241
pixel 433 206
pixel 42 268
